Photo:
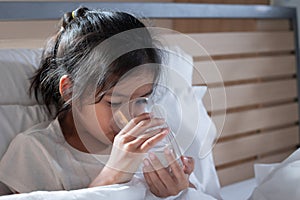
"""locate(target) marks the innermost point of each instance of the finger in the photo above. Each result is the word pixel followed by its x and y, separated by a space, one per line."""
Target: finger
pixel 161 171
pixel 141 127
pixel 188 163
pixel 150 174
pixel 144 137
pixel 132 123
pixel 151 185
pixel 164 175
pixel 151 133
pixel 150 142
pixel 174 165
pixel 147 176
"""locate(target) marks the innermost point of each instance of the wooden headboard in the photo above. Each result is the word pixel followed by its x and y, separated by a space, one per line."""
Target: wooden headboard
pixel 258 68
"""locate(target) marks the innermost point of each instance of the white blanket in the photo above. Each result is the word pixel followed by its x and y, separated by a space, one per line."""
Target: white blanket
pixel 278 181
pixel 136 189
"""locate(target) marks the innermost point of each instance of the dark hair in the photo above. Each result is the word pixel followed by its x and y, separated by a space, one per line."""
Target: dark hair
pixel 78 50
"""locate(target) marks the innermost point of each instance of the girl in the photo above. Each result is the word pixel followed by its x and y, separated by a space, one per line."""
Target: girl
pixel 97 61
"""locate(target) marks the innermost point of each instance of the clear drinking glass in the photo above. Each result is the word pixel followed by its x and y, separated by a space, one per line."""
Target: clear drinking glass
pixel 135 107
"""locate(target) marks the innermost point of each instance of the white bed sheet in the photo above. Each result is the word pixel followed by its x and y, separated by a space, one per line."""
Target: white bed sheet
pixel 238 191
pixel 136 189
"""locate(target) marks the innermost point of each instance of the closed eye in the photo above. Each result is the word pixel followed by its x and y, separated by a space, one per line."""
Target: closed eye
pixel 147 94
pixel 114 104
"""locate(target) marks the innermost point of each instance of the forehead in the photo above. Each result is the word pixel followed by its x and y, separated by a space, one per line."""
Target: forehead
pixel 134 84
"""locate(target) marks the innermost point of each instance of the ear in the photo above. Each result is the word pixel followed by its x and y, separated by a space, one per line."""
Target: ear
pixel 65 87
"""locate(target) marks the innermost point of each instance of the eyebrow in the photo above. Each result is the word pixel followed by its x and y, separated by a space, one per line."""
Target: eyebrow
pixel 124 95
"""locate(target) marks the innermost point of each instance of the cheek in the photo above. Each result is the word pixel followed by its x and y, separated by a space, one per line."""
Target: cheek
pixel 96 119
pixel 104 116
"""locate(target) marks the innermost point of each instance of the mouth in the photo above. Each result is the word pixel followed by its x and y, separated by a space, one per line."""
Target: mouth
pixel 115 129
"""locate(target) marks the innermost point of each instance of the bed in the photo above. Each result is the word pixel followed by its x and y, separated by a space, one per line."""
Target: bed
pixel 257 120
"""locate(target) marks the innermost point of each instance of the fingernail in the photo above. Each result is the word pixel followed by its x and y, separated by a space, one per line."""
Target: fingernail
pixel 186 160
pixel 146 162
pixel 152 156
pixel 163 133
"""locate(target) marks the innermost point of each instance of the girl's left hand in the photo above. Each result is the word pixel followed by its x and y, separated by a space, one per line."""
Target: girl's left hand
pixel 164 182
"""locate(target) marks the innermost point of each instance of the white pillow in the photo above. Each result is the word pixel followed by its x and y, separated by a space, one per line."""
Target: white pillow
pixel 18 111
pixel 280 181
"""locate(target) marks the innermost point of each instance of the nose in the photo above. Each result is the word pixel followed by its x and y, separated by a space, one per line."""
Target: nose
pixel 139 106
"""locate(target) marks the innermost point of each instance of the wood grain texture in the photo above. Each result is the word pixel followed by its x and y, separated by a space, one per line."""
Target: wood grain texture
pixel 251 120
pixel 273 25
pixel 250 94
pixel 225 70
pixel 212 44
pixel 257 144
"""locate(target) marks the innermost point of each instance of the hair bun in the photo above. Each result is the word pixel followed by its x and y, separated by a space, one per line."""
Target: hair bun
pixel 69 16
pixel 79 12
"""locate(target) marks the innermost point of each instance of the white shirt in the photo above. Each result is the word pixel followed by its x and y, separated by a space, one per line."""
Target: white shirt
pixel 41 159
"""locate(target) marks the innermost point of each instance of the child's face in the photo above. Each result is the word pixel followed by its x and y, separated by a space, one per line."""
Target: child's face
pixel 97 119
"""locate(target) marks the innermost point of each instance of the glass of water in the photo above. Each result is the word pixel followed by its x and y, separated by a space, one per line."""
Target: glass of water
pixel 135 107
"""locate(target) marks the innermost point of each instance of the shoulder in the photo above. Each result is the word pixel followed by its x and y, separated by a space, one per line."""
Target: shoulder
pixel 39 143
pixel 43 134
pixel 45 130
pixel 34 162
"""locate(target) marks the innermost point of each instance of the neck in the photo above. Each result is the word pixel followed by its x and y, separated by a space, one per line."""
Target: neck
pixel 85 142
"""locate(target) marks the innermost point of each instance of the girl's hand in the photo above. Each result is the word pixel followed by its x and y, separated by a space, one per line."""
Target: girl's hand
pixel 128 150
pixel 164 182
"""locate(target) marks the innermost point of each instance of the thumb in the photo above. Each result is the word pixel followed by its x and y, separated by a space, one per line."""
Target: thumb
pixel 188 164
